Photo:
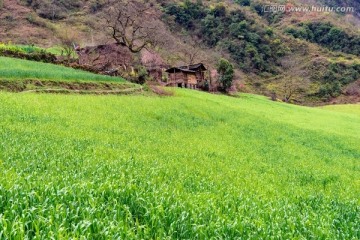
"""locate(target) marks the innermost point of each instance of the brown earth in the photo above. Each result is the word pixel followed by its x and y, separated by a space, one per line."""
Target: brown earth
pixel 31 85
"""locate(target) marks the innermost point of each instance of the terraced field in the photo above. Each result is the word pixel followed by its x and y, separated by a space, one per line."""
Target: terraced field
pixel 17 69
pixel 18 75
pixel 191 166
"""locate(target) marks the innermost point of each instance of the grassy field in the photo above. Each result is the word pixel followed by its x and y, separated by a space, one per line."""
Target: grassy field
pixel 192 166
pixel 349 108
pixel 17 69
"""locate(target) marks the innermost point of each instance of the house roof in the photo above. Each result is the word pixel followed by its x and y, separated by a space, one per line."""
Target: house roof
pixel 194 67
pixel 178 69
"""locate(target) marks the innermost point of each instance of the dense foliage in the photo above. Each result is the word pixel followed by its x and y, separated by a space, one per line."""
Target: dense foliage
pixel 226 73
pixel 243 2
pixel 336 76
pixel 271 17
pixel 328 36
pixel 255 49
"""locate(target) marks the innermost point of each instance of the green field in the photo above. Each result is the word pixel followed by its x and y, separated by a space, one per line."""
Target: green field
pixel 349 108
pixel 17 69
pixel 191 166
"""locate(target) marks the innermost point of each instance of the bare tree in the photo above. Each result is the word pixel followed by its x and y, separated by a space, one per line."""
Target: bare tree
pixel 191 51
pixel 132 24
pixel 191 54
pixel 290 86
pixel 295 81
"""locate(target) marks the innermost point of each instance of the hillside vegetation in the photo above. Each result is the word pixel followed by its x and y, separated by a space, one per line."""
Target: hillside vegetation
pixel 23 75
pixel 11 68
pixel 191 166
pixel 305 58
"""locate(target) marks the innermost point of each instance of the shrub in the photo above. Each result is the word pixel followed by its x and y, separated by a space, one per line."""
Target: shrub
pixel 330 90
pixel 226 74
pixel 243 2
pixel 327 35
pixel 54 10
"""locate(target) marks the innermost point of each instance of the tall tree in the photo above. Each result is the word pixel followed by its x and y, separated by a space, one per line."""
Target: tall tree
pixel 132 24
pixel 226 74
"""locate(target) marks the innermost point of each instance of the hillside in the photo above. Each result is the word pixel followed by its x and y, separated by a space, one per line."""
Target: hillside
pixel 306 58
pixel 23 76
pixel 191 166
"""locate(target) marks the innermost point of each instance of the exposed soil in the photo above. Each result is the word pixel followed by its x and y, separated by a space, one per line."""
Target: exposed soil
pixel 32 85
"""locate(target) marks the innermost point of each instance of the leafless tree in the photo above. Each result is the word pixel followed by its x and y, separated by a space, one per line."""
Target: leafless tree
pixel 132 24
pixel 191 51
pixel 289 87
pixel 296 80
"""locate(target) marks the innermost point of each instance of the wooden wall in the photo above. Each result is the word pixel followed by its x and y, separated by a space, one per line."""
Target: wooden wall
pixel 191 78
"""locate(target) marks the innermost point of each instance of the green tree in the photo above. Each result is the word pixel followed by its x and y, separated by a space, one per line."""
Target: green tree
pixel 226 73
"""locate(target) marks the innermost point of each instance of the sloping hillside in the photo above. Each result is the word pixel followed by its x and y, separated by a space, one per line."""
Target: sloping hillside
pixel 18 75
pixel 302 57
pixel 191 166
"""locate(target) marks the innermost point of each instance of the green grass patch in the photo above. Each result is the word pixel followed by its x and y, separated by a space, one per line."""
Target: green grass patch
pixel 28 49
pixel 347 108
pixel 192 166
pixel 20 48
pixel 18 69
pixel 58 51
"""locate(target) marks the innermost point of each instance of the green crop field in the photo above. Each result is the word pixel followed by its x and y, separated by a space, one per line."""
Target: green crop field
pixel 17 69
pixel 349 108
pixel 191 166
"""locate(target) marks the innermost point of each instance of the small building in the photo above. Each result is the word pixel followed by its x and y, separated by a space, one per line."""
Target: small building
pixel 186 76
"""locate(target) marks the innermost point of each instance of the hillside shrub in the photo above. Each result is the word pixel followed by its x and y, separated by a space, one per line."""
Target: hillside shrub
pixel 54 10
pixel 271 17
pixel 329 90
pixel 226 74
pixel 97 5
pixel 327 35
pixel 336 76
pixel 243 2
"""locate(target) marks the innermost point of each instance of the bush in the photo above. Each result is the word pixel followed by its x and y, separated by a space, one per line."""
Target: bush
pixel 327 35
pixel 243 2
pixel 54 10
pixel 97 5
pixel 330 90
pixel 226 74
pixel 186 14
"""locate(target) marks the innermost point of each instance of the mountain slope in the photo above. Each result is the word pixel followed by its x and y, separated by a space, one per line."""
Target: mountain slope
pixel 306 58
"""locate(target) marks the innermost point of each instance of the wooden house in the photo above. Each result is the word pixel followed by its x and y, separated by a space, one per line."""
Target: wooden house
pixel 186 76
